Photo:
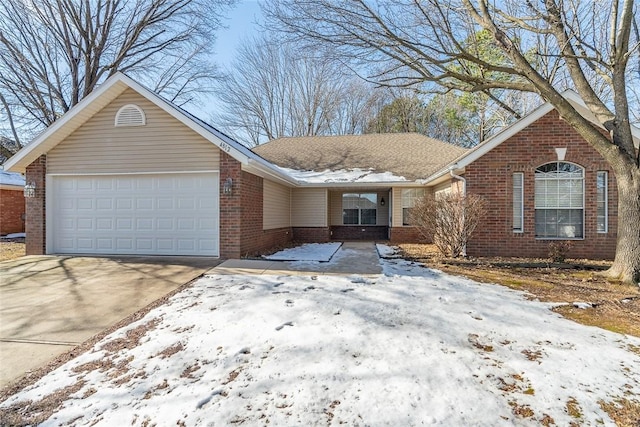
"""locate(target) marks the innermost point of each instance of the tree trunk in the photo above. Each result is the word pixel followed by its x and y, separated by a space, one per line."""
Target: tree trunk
pixel 626 266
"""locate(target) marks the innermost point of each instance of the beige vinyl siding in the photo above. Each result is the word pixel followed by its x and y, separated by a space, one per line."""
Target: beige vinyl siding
pixel 396 207
pixel 383 211
pixel 396 214
pixel 163 144
pixel 276 206
pixel 309 207
pixel 335 213
pixel 441 189
pixel 335 203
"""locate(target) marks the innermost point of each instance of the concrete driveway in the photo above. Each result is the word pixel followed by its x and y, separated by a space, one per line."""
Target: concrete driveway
pixel 50 304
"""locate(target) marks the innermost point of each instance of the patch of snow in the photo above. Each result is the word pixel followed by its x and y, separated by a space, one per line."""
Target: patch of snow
pixel 386 251
pixel 342 175
pixel 11 178
pixel 414 346
pixel 321 252
pixel 582 305
pixel 14 235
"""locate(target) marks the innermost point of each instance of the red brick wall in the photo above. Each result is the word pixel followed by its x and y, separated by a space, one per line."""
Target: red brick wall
pixel 254 239
pixel 12 208
pixel 312 234
pixel 35 225
pixel 491 177
pixel 241 215
pixel 356 232
pixel 230 208
pixel 406 235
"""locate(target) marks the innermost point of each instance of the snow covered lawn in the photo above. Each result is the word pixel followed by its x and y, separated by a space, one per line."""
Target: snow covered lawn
pixel 410 347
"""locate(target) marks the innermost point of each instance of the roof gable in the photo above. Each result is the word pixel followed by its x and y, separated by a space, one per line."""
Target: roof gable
pixel 489 144
pixel 103 96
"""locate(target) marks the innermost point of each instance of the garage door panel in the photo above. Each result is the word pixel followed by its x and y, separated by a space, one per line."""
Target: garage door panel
pixel 85 185
pixel 105 244
pixel 145 203
pixel 104 204
pixel 123 203
pixel 163 214
pixel 104 224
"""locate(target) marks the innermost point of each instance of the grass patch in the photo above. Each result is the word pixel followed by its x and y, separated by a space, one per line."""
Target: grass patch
pixel 625 413
pixel 573 408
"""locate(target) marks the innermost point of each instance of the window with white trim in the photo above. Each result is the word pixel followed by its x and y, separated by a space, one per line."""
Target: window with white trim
pixel 130 115
pixel 359 208
pixel 602 195
pixel 410 197
pixel 518 202
pixel 559 201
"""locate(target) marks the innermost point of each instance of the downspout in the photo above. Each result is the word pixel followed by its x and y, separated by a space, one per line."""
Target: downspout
pixel 461 178
pixel 464 194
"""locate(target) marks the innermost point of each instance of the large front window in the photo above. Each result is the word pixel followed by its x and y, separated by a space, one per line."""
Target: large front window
pixel 559 201
pixel 359 208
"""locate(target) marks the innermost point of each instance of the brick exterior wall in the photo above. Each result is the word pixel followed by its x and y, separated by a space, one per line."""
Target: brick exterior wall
pixel 491 177
pixel 311 234
pixel 406 235
pixel 12 208
pixel 254 239
pixel 350 232
pixel 230 208
pixel 35 225
pixel 241 214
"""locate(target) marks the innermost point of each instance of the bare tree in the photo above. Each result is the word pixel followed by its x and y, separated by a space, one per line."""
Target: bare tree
pixel 273 90
pixel 53 53
pixel 546 46
pixel 449 220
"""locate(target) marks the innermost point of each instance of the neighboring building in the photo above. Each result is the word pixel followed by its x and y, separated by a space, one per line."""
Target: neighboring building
pixel 11 203
pixel 127 172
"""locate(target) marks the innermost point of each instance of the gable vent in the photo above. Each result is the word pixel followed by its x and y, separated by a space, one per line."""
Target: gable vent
pixel 130 115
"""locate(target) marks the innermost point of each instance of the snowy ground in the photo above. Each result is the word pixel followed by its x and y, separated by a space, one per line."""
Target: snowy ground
pixel 321 252
pixel 410 347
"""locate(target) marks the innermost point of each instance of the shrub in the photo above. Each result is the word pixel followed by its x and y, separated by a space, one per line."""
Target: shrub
pixel 449 220
pixel 558 251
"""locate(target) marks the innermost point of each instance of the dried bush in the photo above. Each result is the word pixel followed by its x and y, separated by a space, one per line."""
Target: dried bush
pixel 559 251
pixel 449 220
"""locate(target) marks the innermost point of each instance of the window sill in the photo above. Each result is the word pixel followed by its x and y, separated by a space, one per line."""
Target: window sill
pixel 559 238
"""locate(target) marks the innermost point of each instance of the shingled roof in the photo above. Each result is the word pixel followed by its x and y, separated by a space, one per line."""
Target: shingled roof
pixel 410 155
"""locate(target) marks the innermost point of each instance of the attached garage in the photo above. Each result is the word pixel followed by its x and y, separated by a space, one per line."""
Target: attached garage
pixel 126 172
pixel 134 214
pixel 133 180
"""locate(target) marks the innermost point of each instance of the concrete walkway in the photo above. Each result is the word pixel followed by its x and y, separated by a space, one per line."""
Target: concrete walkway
pixel 352 258
pixel 50 304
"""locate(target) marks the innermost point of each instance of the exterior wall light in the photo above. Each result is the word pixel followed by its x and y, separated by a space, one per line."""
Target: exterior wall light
pixel 227 186
pixel 382 202
pixel 30 190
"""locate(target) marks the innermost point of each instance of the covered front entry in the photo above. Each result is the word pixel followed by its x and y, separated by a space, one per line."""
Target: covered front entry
pixel 133 214
pixel 361 214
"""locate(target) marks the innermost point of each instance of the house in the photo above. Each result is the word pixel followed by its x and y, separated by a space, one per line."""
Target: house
pixel 348 173
pixel 127 172
pixel 544 183
pixel 11 203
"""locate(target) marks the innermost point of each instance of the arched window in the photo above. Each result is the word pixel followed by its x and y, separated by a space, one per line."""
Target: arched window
pixel 130 115
pixel 559 201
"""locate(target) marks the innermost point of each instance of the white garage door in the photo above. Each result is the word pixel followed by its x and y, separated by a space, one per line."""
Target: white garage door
pixel 163 214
